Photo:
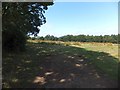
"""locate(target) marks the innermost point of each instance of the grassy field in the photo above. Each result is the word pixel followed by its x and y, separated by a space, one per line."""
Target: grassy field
pixel 104 55
pixel 19 67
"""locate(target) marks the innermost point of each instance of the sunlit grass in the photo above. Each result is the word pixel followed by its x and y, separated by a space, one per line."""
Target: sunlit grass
pixel 105 63
pixel 110 48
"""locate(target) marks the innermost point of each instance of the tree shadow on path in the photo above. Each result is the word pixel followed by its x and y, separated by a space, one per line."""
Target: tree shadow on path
pixel 46 65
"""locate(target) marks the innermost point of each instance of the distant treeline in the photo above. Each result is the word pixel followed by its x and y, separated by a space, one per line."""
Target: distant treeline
pixel 81 38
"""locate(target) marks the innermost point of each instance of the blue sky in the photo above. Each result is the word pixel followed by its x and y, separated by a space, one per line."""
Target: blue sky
pixel 89 18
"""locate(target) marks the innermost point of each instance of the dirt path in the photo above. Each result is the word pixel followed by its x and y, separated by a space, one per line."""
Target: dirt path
pixel 61 71
pixel 52 66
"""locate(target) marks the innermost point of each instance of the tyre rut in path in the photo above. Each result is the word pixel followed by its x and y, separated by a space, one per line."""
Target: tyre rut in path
pixel 62 71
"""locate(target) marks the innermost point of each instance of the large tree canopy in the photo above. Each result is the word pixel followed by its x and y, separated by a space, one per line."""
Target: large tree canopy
pixel 20 19
pixel 25 16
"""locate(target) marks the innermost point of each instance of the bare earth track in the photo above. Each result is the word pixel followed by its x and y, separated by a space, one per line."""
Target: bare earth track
pixel 61 72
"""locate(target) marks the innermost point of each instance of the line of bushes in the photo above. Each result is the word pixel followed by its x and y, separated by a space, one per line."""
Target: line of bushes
pixel 81 38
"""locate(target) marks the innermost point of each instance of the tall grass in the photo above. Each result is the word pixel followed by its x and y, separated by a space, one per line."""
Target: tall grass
pixel 110 48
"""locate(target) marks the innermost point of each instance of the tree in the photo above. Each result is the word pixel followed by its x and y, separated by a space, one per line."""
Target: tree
pixel 47 37
pixel 20 20
pixel 40 38
pixel 88 38
pixel 118 38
